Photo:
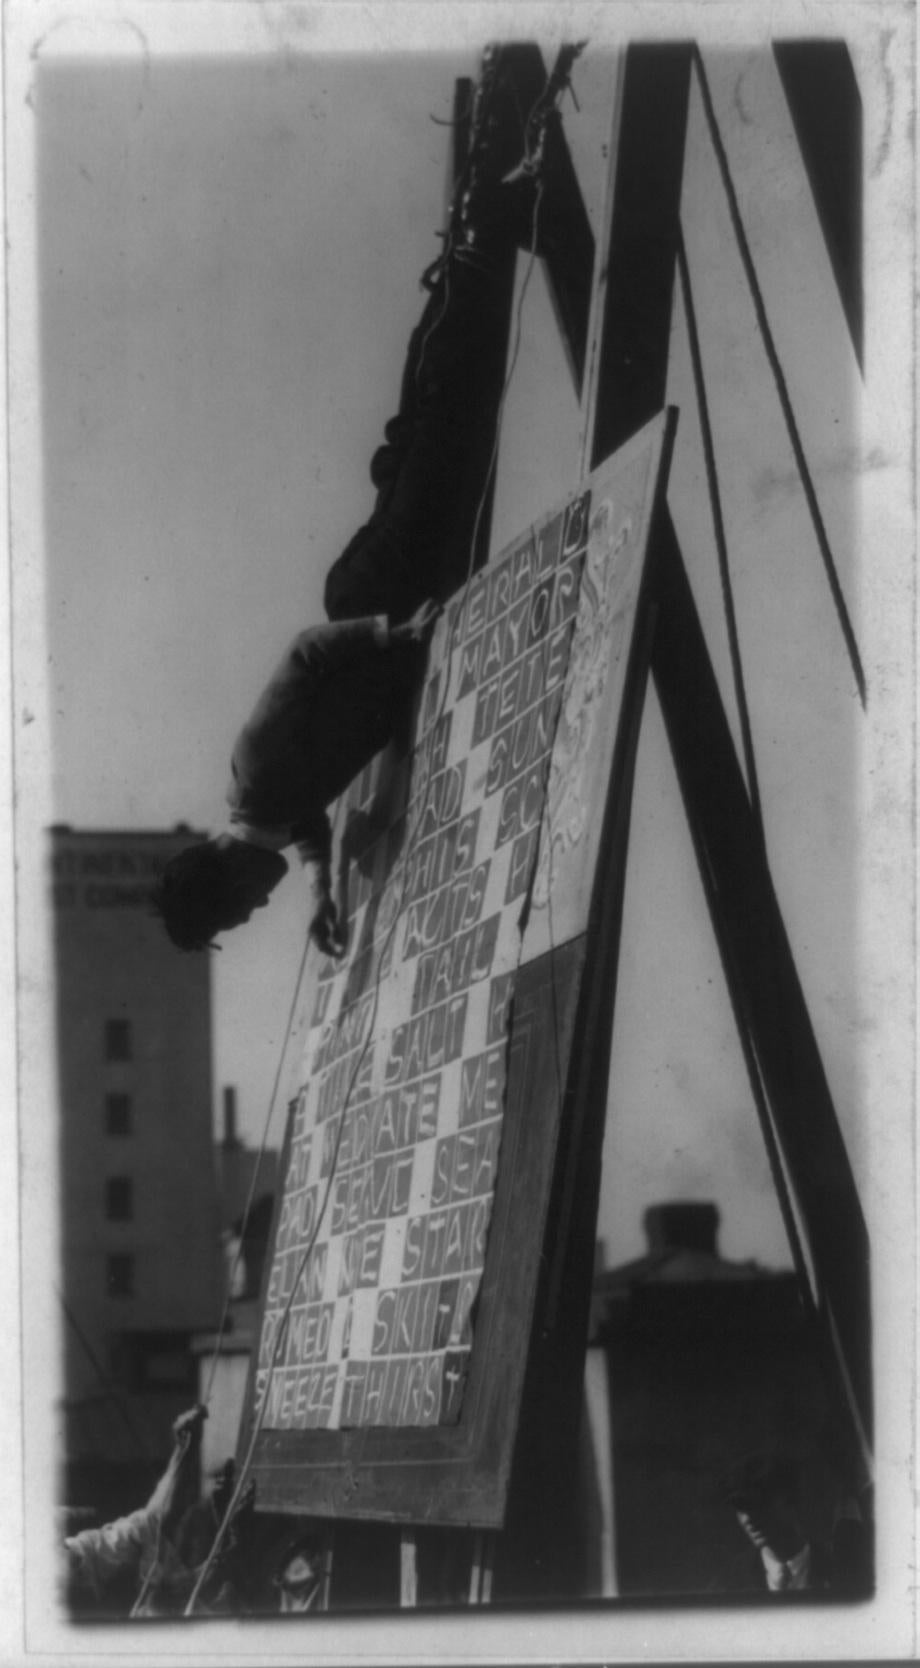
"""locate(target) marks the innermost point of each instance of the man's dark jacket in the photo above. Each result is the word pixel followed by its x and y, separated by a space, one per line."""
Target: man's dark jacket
pixel 329 707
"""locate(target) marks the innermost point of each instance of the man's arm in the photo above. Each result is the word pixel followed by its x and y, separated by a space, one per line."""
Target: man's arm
pixel 419 627
pixel 314 846
pixel 95 1555
pixel 178 1481
pixel 326 929
pixel 98 1554
pixel 323 648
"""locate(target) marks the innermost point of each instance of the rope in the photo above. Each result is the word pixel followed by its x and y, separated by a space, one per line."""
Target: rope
pixel 783 1192
pixel 112 1395
pixel 779 378
pixel 154 1564
pixel 757 1088
pixel 715 501
pixel 281 1328
pixel 215 1354
pixel 255 1172
pixel 153 1567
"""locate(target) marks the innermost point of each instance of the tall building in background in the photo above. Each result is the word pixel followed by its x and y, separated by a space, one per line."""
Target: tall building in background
pixel 241 1170
pixel 246 1181
pixel 140 1230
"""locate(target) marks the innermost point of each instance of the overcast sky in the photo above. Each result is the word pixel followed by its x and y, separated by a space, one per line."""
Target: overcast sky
pixel 229 259
pixel 230 256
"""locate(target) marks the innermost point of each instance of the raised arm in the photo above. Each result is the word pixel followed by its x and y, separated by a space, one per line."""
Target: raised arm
pixel 178 1480
pixel 96 1555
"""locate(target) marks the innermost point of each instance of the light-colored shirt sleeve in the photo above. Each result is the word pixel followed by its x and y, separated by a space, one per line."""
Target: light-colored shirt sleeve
pixel 131 1542
pixel 126 1543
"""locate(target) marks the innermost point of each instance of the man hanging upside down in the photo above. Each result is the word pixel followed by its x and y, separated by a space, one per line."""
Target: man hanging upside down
pixel 336 697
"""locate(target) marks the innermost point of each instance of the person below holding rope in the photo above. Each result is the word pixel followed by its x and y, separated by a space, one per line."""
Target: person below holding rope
pixel 337 696
pixel 298 1580
pixel 163 1545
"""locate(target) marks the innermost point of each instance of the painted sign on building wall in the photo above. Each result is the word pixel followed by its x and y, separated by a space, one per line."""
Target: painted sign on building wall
pixel 103 877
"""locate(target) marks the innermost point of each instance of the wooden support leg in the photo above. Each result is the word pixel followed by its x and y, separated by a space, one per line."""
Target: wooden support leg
pixel 476 1569
pixel 408 1569
pixel 598 1453
pixel 488 1564
pixel 769 1003
pixel 481 1568
pixel 326 1587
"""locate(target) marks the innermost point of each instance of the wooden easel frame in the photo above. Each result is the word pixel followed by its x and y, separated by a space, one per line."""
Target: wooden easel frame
pixel 616 331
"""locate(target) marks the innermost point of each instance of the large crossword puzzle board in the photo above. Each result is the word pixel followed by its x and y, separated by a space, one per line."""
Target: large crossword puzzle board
pixel 419 1149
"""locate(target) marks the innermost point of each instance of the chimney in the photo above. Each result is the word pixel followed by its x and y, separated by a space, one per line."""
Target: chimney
pixel 231 1139
pixel 682 1225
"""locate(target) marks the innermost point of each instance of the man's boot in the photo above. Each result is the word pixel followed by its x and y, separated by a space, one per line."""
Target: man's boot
pixel 514 105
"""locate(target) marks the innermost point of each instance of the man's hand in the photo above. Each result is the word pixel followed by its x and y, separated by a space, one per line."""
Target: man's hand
pixel 326 930
pixel 187 1428
pixel 419 627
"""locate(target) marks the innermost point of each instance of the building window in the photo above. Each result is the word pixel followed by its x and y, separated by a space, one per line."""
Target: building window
pixel 119 1199
pixel 118 1114
pixel 119 1275
pixel 118 1039
pixel 153 1361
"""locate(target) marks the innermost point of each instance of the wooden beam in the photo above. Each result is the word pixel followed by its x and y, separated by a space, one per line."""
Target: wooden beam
pixel 769 1005
pixel 826 109
pixel 762 979
pixel 483 1558
pixel 635 338
pixel 565 241
pixel 544 1545
pixel 328 1554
